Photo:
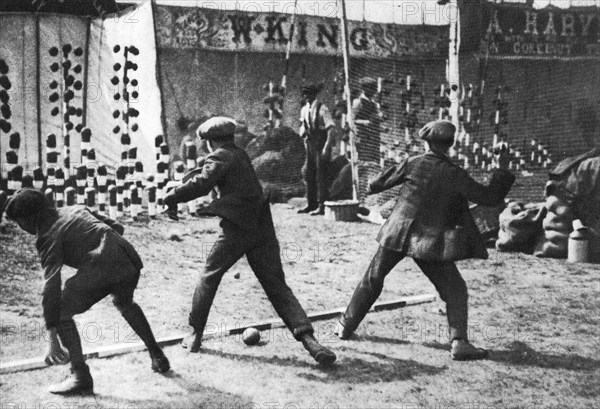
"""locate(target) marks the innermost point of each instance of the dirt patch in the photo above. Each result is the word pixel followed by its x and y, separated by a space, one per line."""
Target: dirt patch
pixel 540 319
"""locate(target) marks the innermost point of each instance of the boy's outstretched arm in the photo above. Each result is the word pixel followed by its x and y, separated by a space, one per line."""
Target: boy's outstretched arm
pixel 213 171
pixel 389 178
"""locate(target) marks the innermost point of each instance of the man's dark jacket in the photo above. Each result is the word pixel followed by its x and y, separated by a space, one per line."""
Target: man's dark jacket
pixel 431 219
pixel 240 194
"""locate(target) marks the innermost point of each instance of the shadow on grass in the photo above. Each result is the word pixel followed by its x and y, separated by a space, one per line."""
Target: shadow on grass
pixel 520 353
pixel 200 399
pixel 354 370
pixel 203 396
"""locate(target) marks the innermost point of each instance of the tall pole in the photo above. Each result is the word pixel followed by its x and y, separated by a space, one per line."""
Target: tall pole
pixel 454 62
pixel 349 115
pixel 286 66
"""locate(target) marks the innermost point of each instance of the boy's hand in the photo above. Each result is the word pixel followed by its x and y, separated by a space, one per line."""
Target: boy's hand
pixel 170 199
pixel 171 202
pixel 55 355
pixel 119 228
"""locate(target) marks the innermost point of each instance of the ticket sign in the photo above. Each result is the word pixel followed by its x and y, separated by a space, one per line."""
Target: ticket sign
pixel 521 31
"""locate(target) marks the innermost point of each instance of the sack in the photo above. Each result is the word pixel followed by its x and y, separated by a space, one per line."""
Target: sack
pixel 557 226
pixel 520 227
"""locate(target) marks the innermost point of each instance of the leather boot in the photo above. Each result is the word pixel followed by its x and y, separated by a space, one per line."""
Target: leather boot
pixel 463 351
pixel 160 363
pixel 320 211
pixel 192 341
pixel 342 332
pixel 80 382
pixel 306 209
pixel 321 354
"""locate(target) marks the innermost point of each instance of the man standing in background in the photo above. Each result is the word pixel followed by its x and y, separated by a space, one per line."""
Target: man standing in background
pixel 367 119
pixel 317 130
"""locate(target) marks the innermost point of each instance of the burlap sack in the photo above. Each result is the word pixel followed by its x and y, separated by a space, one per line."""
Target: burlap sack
pixel 573 193
pixel 520 227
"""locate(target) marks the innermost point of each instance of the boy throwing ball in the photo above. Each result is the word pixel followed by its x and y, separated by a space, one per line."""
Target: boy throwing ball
pixel 247 229
pixel 106 264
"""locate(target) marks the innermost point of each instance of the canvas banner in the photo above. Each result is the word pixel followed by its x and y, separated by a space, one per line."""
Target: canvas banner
pixel 198 28
pixel 60 79
pixel 520 31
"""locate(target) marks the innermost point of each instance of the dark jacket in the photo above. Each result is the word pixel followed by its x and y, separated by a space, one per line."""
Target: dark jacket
pixel 230 170
pixel 431 219
pixel 80 238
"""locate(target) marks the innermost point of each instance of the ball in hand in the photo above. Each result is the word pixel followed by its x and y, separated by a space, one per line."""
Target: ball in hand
pixel 251 336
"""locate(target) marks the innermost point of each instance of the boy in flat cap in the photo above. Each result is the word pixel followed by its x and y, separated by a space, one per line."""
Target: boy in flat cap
pixel 432 224
pixel 247 230
pixel 317 130
pixel 106 264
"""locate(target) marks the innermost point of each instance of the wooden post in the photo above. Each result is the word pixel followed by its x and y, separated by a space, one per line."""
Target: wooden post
pixel 453 62
pixel 349 115
pixel 286 66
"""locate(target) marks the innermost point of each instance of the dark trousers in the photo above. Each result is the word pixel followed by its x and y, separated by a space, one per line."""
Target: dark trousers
pixel 262 251
pixel 444 275
pixel 90 285
pixel 315 173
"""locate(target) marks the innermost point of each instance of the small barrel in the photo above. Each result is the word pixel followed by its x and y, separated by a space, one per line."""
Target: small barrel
pixel 191 154
pixel 38 178
pixel 90 196
pixel 49 194
pixel 135 206
pixel 179 171
pixel 70 196
pixel 28 181
pixel 152 202
pixel 112 202
pixel 158 141
pixel 165 155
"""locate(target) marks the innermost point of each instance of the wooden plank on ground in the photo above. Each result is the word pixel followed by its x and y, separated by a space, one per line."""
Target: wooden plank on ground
pixel 114 350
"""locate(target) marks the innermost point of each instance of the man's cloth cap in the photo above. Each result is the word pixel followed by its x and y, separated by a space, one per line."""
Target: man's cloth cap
pixel 25 203
pixel 438 132
pixel 312 87
pixel 367 82
pixel 216 128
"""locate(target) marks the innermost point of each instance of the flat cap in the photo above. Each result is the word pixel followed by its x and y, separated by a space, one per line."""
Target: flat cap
pixel 315 87
pixel 438 132
pixel 216 128
pixel 25 202
pixel 367 82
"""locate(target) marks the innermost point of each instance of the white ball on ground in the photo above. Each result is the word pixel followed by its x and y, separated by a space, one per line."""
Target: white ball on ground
pixel 251 336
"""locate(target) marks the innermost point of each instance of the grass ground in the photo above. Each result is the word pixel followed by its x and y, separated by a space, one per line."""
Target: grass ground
pixel 539 318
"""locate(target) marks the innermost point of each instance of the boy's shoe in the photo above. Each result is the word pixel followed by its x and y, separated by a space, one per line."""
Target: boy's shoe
pixel 160 363
pixel 321 354
pixel 343 333
pixel 463 351
pixel 192 341
pixel 80 382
